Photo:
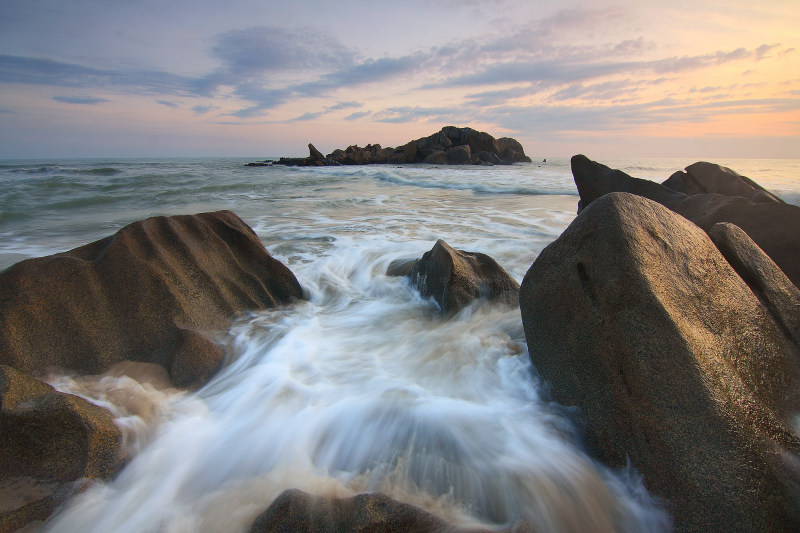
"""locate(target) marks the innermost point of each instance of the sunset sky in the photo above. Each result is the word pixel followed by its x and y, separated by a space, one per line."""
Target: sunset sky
pixel 113 78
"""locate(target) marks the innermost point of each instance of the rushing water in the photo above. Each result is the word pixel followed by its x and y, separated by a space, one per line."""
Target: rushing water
pixel 364 386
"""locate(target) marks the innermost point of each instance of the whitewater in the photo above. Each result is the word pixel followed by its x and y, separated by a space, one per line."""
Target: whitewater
pixel 362 387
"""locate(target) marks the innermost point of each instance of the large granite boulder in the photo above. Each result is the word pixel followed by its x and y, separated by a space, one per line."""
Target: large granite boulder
pixel 49 443
pixel 298 511
pixel 455 278
pixel 153 292
pixel 703 177
pixel 772 224
pixel 633 315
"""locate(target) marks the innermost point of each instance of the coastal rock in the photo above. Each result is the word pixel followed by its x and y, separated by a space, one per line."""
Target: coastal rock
pixel 458 155
pixel 446 146
pixel 135 296
pixel 295 510
pixel 773 225
pixel 703 177
pixel 48 434
pixel 455 278
pixel 49 443
pixel 634 316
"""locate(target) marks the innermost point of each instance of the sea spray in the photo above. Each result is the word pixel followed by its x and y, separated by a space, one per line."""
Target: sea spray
pixel 364 387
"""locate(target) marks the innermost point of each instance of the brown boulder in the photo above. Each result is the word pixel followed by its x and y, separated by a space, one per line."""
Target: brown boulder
pixel 773 225
pixel 437 157
pixel 458 155
pixel 298 511
pixel 510 150
pixel 314 153
pixel 705 177
pixel 135 295
pixel 48 434
pixel 455 278
pixel 404 154
pixel 633 315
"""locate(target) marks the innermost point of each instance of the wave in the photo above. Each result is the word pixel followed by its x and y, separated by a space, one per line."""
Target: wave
pixel 479 188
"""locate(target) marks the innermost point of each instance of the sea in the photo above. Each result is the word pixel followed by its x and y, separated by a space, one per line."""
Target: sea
pixel 364 386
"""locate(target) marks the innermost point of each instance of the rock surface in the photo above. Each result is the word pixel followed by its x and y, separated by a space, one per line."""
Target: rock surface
pixel 152 292
pixel 298 511
pixel 633 315
pixel 49 443
pixel 455 278
pixel 451 145
pixel 771 223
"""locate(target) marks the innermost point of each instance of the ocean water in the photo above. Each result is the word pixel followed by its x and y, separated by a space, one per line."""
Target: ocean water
pixel 364 387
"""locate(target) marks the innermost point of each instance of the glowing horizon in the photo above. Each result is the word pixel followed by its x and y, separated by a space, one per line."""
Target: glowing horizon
pixel 252 78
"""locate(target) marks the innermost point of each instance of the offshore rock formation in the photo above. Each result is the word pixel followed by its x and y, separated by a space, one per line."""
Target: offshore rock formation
pixel 708 194
pixel 152 292
pixel 451 145
pixel 455 278
pixel 677 365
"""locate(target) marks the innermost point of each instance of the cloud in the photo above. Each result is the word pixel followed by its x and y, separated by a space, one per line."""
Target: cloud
pixel 203 109
pixel 357 115
pixel 343 105
pixel 167 103
pixel 306 116
pixel 84 100
pixel 399 115
pixel 263 49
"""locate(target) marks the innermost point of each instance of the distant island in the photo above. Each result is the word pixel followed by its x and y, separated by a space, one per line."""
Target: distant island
pixel 450 146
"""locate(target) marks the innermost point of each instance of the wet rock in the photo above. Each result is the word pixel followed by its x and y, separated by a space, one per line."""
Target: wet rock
pixel 773 225
pixel 135 295
pixel 298 511
pixel 455 278
pixel 48 440
pixel 401 267
pixel 404 154
pixel 314 153
pixel 436 157
pixel 633 315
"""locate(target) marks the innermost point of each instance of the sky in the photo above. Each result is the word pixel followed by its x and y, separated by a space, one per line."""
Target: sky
pixel 259 78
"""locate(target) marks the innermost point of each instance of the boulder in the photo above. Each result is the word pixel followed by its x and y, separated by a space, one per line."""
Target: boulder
pixel 50 442
pixel 773 225
pixel 705 177
pixel 48 434
pixel 510 151
pixel 381 156
pixel 404 154
pixel 298 511
pixel 437 157
pixel 147 293
pixel 455 278
pixel 458 155
pixel 679 369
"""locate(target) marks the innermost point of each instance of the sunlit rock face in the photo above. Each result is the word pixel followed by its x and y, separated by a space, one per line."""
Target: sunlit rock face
pixel 152 292
pixel 712 194
pixel 634 315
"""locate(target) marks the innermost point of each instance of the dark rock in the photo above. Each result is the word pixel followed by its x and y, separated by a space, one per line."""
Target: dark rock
pixel 135 295
pixel 458 155
pixel 495 151
pixel 404 154
pixel 400 267
pixel 633 315
pixel 773 225
pixel 437 157
pixel 25 500
pixel 455 278
pixel 298 511
pixel 705 177
pixel 314 153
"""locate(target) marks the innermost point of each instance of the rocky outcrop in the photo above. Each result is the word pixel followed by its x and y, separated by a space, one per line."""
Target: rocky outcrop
pixel 451 145
pixel 49 442
pixel 298 511
pixel 153 292
pixel 634 315
pixel 455 278
pixel 771 223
